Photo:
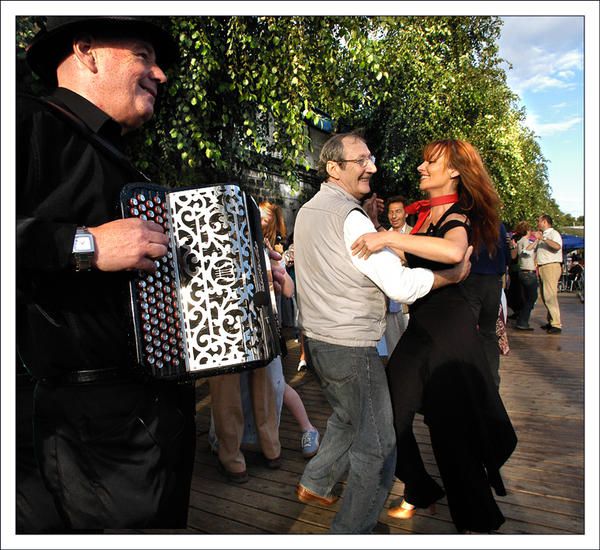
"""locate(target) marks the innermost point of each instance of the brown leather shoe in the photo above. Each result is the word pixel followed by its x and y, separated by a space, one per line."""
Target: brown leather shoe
pixel 308 497
pixel 234 477
pixel 273 463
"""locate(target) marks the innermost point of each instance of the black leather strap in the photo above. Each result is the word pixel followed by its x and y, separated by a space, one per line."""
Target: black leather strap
pixel 100 143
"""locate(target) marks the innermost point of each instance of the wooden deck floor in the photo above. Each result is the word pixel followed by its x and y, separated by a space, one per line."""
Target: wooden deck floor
pixel 543 389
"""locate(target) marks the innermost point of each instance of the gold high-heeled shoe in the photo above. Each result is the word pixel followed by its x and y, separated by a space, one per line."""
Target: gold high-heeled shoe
pixel 405 510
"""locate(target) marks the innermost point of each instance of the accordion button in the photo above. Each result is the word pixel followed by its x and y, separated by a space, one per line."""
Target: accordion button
pixel 141 198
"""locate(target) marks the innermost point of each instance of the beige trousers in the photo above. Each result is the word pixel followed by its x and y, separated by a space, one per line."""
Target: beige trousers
pixel 549 277
pixel 228 416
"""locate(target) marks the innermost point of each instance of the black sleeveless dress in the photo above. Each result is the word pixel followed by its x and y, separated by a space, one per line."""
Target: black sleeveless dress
pixel 439 369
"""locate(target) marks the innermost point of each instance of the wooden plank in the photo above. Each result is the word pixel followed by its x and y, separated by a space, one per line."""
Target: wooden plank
pixel 542 386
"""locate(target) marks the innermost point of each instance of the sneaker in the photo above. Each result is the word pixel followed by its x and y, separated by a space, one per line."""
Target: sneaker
pixel 554 330
pixel 301 365
pixel 309 443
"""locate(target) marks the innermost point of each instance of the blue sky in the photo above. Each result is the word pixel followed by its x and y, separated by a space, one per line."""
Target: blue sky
pixel 547 57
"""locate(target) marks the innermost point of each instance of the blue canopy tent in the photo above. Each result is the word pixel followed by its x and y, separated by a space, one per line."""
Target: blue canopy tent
pixel 571 242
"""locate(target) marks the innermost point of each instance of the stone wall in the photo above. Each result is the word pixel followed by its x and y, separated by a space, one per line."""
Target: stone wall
pixel 272 187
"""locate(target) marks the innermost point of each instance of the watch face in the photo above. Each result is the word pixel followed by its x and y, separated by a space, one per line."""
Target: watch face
pixel 83 243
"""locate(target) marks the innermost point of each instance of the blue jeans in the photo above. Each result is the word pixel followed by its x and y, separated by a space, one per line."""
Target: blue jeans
pixel 359 437
pixel 529 283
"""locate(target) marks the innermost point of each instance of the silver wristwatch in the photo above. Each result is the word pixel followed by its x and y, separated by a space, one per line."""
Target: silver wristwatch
pixel 83 249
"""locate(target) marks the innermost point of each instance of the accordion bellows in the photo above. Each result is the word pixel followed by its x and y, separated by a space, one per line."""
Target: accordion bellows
pixel 208 308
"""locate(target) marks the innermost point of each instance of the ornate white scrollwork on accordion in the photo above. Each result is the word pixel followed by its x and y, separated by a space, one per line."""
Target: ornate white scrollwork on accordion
pixel 207 309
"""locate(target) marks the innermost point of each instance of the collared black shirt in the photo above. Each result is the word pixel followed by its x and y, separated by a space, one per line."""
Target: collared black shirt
pixel 67 320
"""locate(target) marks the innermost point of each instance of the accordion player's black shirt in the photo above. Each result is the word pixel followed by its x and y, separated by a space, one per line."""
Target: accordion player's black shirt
pixel 66 320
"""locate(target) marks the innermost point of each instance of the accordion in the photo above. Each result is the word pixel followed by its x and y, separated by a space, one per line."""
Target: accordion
pixel 208 309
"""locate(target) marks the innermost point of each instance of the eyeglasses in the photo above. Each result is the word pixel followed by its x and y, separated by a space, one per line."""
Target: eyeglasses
pixel 361 162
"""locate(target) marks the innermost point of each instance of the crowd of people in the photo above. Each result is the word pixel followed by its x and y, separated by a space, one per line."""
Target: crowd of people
pixel 536 269
pixel 99 446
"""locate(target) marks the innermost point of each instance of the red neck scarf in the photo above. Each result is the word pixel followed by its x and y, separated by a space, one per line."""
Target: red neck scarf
pixel 422 208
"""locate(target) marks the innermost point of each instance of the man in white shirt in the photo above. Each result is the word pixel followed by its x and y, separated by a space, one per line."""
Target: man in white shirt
pixel 397 314
pixel 549 259
pixel 342 316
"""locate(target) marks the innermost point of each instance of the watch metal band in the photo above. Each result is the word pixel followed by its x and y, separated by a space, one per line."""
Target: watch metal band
pixel 83 262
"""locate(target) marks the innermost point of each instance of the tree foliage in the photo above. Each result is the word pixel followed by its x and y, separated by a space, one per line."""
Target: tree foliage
pixel 245 87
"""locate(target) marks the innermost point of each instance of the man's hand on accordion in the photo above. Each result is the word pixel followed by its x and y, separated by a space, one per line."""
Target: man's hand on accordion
pixel 128 244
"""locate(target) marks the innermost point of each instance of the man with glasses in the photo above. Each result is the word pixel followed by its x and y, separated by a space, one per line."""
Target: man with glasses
pixel 342 316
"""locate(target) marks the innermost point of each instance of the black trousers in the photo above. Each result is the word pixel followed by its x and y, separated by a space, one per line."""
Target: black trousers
pixel 118 454
pixel 482 292
pixel 35 508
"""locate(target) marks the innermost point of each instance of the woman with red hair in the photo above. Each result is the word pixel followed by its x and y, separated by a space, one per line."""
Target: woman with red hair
pixel 439 367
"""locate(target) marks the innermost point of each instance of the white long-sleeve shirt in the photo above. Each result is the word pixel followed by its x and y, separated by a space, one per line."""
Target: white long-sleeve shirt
pixel 384 267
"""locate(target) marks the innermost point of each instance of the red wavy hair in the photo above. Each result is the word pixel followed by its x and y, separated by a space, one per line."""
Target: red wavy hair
pixel 276 225
pixel 476 192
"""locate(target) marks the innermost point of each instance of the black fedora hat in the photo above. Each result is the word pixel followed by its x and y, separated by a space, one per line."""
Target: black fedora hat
pixel 50 46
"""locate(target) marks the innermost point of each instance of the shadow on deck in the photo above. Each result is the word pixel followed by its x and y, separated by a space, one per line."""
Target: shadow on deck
pixel 543 390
